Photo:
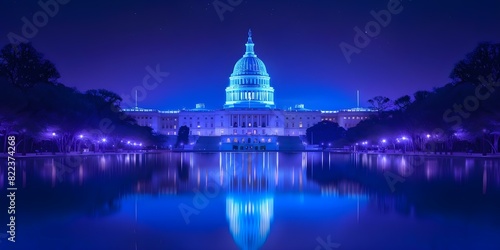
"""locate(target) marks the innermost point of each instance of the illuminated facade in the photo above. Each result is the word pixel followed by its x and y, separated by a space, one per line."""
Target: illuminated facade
pixel 249 109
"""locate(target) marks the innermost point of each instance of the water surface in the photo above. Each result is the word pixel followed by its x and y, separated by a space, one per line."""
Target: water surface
pixel 255 201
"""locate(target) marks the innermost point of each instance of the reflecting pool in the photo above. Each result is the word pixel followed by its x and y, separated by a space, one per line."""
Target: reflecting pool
pixel 264 200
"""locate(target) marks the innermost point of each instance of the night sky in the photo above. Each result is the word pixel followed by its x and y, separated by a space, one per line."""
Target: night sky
pixel 109 44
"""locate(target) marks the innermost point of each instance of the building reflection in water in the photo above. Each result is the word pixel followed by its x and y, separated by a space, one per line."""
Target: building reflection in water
pixel 249 219
pixel 251 183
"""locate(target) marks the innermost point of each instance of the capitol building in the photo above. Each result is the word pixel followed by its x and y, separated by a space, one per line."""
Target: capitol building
pixel 249 113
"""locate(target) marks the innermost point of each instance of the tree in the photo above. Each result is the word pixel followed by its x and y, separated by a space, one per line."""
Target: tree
pixel 182 136
pixel 105 95
pixel 23 66
pixel 481 67
pixel 403 102
pixel 380 103
pixel 421 95
pixel 325 132
pixel 482 62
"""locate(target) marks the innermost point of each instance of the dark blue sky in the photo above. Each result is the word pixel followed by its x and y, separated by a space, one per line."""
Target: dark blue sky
pixel 108 44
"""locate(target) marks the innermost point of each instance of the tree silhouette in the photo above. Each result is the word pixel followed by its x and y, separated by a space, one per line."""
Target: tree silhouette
pixel 482 62
pixel 325 132
pixel 182 136
pixel 23 66
pixel 380 103
pixel 403 102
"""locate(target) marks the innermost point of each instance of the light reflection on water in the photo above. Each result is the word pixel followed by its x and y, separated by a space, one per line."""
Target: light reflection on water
pixel 257 201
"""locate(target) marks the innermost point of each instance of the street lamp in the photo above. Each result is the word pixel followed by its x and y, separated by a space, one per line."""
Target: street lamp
pixel 384 142
pixel 103 144
pixel 54 140
pixel 80 137
pixel 484 140
pixel 404 139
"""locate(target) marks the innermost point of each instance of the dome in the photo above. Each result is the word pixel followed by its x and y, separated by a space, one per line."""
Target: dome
pixel 249 84
pixel 249 64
